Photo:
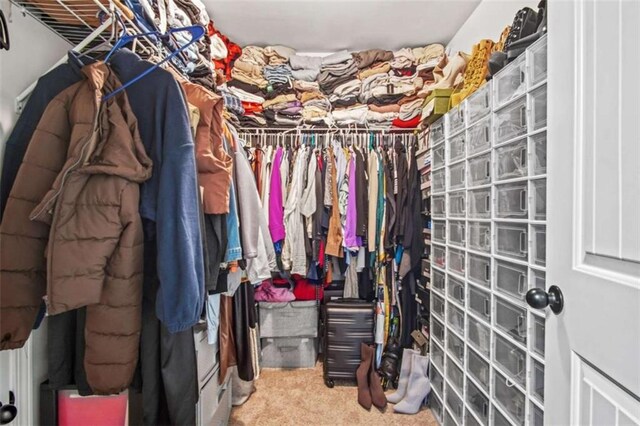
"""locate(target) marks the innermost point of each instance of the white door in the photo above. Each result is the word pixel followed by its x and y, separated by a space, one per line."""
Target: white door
pixel 592 372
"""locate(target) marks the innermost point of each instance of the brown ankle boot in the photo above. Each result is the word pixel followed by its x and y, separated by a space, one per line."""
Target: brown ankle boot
pixel 378 397
pixel 362 376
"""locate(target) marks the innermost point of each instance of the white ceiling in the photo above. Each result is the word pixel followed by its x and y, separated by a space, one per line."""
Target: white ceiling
pixel 330 25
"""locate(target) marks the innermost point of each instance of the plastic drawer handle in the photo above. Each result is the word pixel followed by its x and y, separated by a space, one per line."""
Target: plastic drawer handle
pixel 487 307
pixel 486 134
pixel 522 76
pixel 523 242
pixel 488 169
pixel 487 272
pixel 523 200
pixel 485 409
pixel 523 116
pixel 523 157
pixel 461 296
pixel 462 206
pixel 520 324
pixel 522 289
pixel 488 202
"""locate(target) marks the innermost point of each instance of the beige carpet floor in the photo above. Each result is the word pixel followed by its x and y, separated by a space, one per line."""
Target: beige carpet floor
pixel 300 397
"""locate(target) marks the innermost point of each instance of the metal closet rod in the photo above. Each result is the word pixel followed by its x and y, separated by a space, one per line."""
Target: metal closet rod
pixel 293 130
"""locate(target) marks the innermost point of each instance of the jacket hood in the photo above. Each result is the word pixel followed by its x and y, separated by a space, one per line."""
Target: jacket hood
pixel 114 147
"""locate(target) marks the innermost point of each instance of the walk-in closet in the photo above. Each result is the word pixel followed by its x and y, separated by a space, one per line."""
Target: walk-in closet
pixel 398 212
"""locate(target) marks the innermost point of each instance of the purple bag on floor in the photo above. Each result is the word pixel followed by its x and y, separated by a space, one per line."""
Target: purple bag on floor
pixel 266 292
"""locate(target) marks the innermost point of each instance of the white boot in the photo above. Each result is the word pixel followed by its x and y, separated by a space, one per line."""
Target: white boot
pixel 418 388
pixel 403 381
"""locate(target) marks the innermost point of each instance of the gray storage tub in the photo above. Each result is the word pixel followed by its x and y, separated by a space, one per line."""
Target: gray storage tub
pixel 289 319
pixel 289 352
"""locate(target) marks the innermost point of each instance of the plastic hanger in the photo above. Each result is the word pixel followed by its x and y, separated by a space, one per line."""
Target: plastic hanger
pixel 196 31
pixel 5 43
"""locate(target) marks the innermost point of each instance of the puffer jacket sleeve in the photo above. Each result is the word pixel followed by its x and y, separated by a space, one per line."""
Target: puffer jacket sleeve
pixel 112 330
pixel 22 241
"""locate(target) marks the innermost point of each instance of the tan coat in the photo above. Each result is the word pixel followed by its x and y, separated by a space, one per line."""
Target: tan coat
pixel 72 231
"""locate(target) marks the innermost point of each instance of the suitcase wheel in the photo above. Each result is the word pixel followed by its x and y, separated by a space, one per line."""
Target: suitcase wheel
pixel 329 383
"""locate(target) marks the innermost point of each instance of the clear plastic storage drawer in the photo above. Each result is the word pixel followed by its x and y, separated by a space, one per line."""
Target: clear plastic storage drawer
pixel 437 305
pixel 438 206
pixel 448 419
pixel 469 420
pixel 439 257
pixel 479 136
pixel 437 329
pixel 455 347
pixel 512 359
pixel 479 336
pixel 455 290
pixel 499 419
pixel 537 57
pixel 539 143
pixel 537 384
pixel 455 375
pixel 537 415
pixel 436 134
pixel 438 180
pixel 539 199
pixel 512 320
pixel 539 108
pixel 456 261
pixel 510 82
pixel 511 200
pixel 437 355
pixel 511 121
pixel 435 404
pixel 511 240
pixel 479 104
pixel 455 120
pixel 509 397
pixel 538 335
pixel 456 176
pixel 455 318
pixel 457 204
pixel 480 170
pixel 478 368
pixel 437 381
pixel 437 280
pixel 478 402
pixel 511 160
pixel 539 244
pixel 480 203
pixel 438 156
pixel 538 279
pixel 439 231
pixel 480 303
pixel 480 236
pixel 456 148
pixel 511 279
pixel 479 269
pixel 457 233
pixel 455 405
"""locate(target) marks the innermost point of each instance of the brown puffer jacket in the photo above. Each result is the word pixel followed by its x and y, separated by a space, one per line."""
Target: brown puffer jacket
pixel 71 228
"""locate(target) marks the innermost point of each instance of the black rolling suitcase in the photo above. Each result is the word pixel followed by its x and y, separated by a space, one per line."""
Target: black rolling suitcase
pixel 348 322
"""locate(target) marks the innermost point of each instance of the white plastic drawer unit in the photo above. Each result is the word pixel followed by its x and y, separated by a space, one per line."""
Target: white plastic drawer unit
pixel 539 251
pixel 511 121
pixel 454 403
pixel 456 261
pixel 538 335
pixel 538 279
pixel 479 336
pixel 438 206
pixel 537 387
pixel 511 279
pixel 436 134
pixel 480 303
pixel 435 404
pixel 438 156
pixel 438 280
pixel 478 368
pixel 439 231
pixel 480 236
pixel 455 318
pixel 509 398
pixel 455 290
pixel 537 57
pixel 437 381
pixel 539 199
pixel 480 170
pixel 439 255
pixel 455 375
pixel 511 240
pixel 479 269
pixel 479 136
pixel 455 120
pixel 538 108
pixel 457 203
pixel 437 355
pixel 479 104
pixel 539 143
pixel 511 160
pixel 438 180
pixel 437 305
pixel 511 200
pixel 510 82
pixel 456 148
pixel 480 203
pixel 456 176
pixel 512 320
pixel 457 233
pixel 455 347
pixel 437 329
pixel 478 402
pixel 511 359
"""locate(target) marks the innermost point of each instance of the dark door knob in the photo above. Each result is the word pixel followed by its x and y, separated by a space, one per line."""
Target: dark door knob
pixel 537 298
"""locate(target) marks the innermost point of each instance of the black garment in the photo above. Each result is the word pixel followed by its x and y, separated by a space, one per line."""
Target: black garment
pixel 249 88
pixel 413 241
pixel 346 101
pixel 279 89
pixel 244 319
pixel 381 100
pixel 401 195
pixel 366 282
pixel 215 246
pixel 362 200
pixel 390 217
pixel 47 88
pixel 409 309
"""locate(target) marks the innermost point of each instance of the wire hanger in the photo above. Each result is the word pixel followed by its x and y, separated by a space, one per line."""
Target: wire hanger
pixel 196 31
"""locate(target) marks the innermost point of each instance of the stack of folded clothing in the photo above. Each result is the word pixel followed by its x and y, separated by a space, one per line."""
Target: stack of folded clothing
pixel 278 55
pixel 410 106
pixel 283 109
pixel 248 67
pixel 336 69
pixel 305 68
pixel 403 62
pixel 315 107
pixel 277 74
pixel 380 119
pixel 346 94
pixel 356 114
pixel 250 96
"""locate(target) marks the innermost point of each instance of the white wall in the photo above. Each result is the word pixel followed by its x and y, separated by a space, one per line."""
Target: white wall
pixel 487 22
pixel 34 49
